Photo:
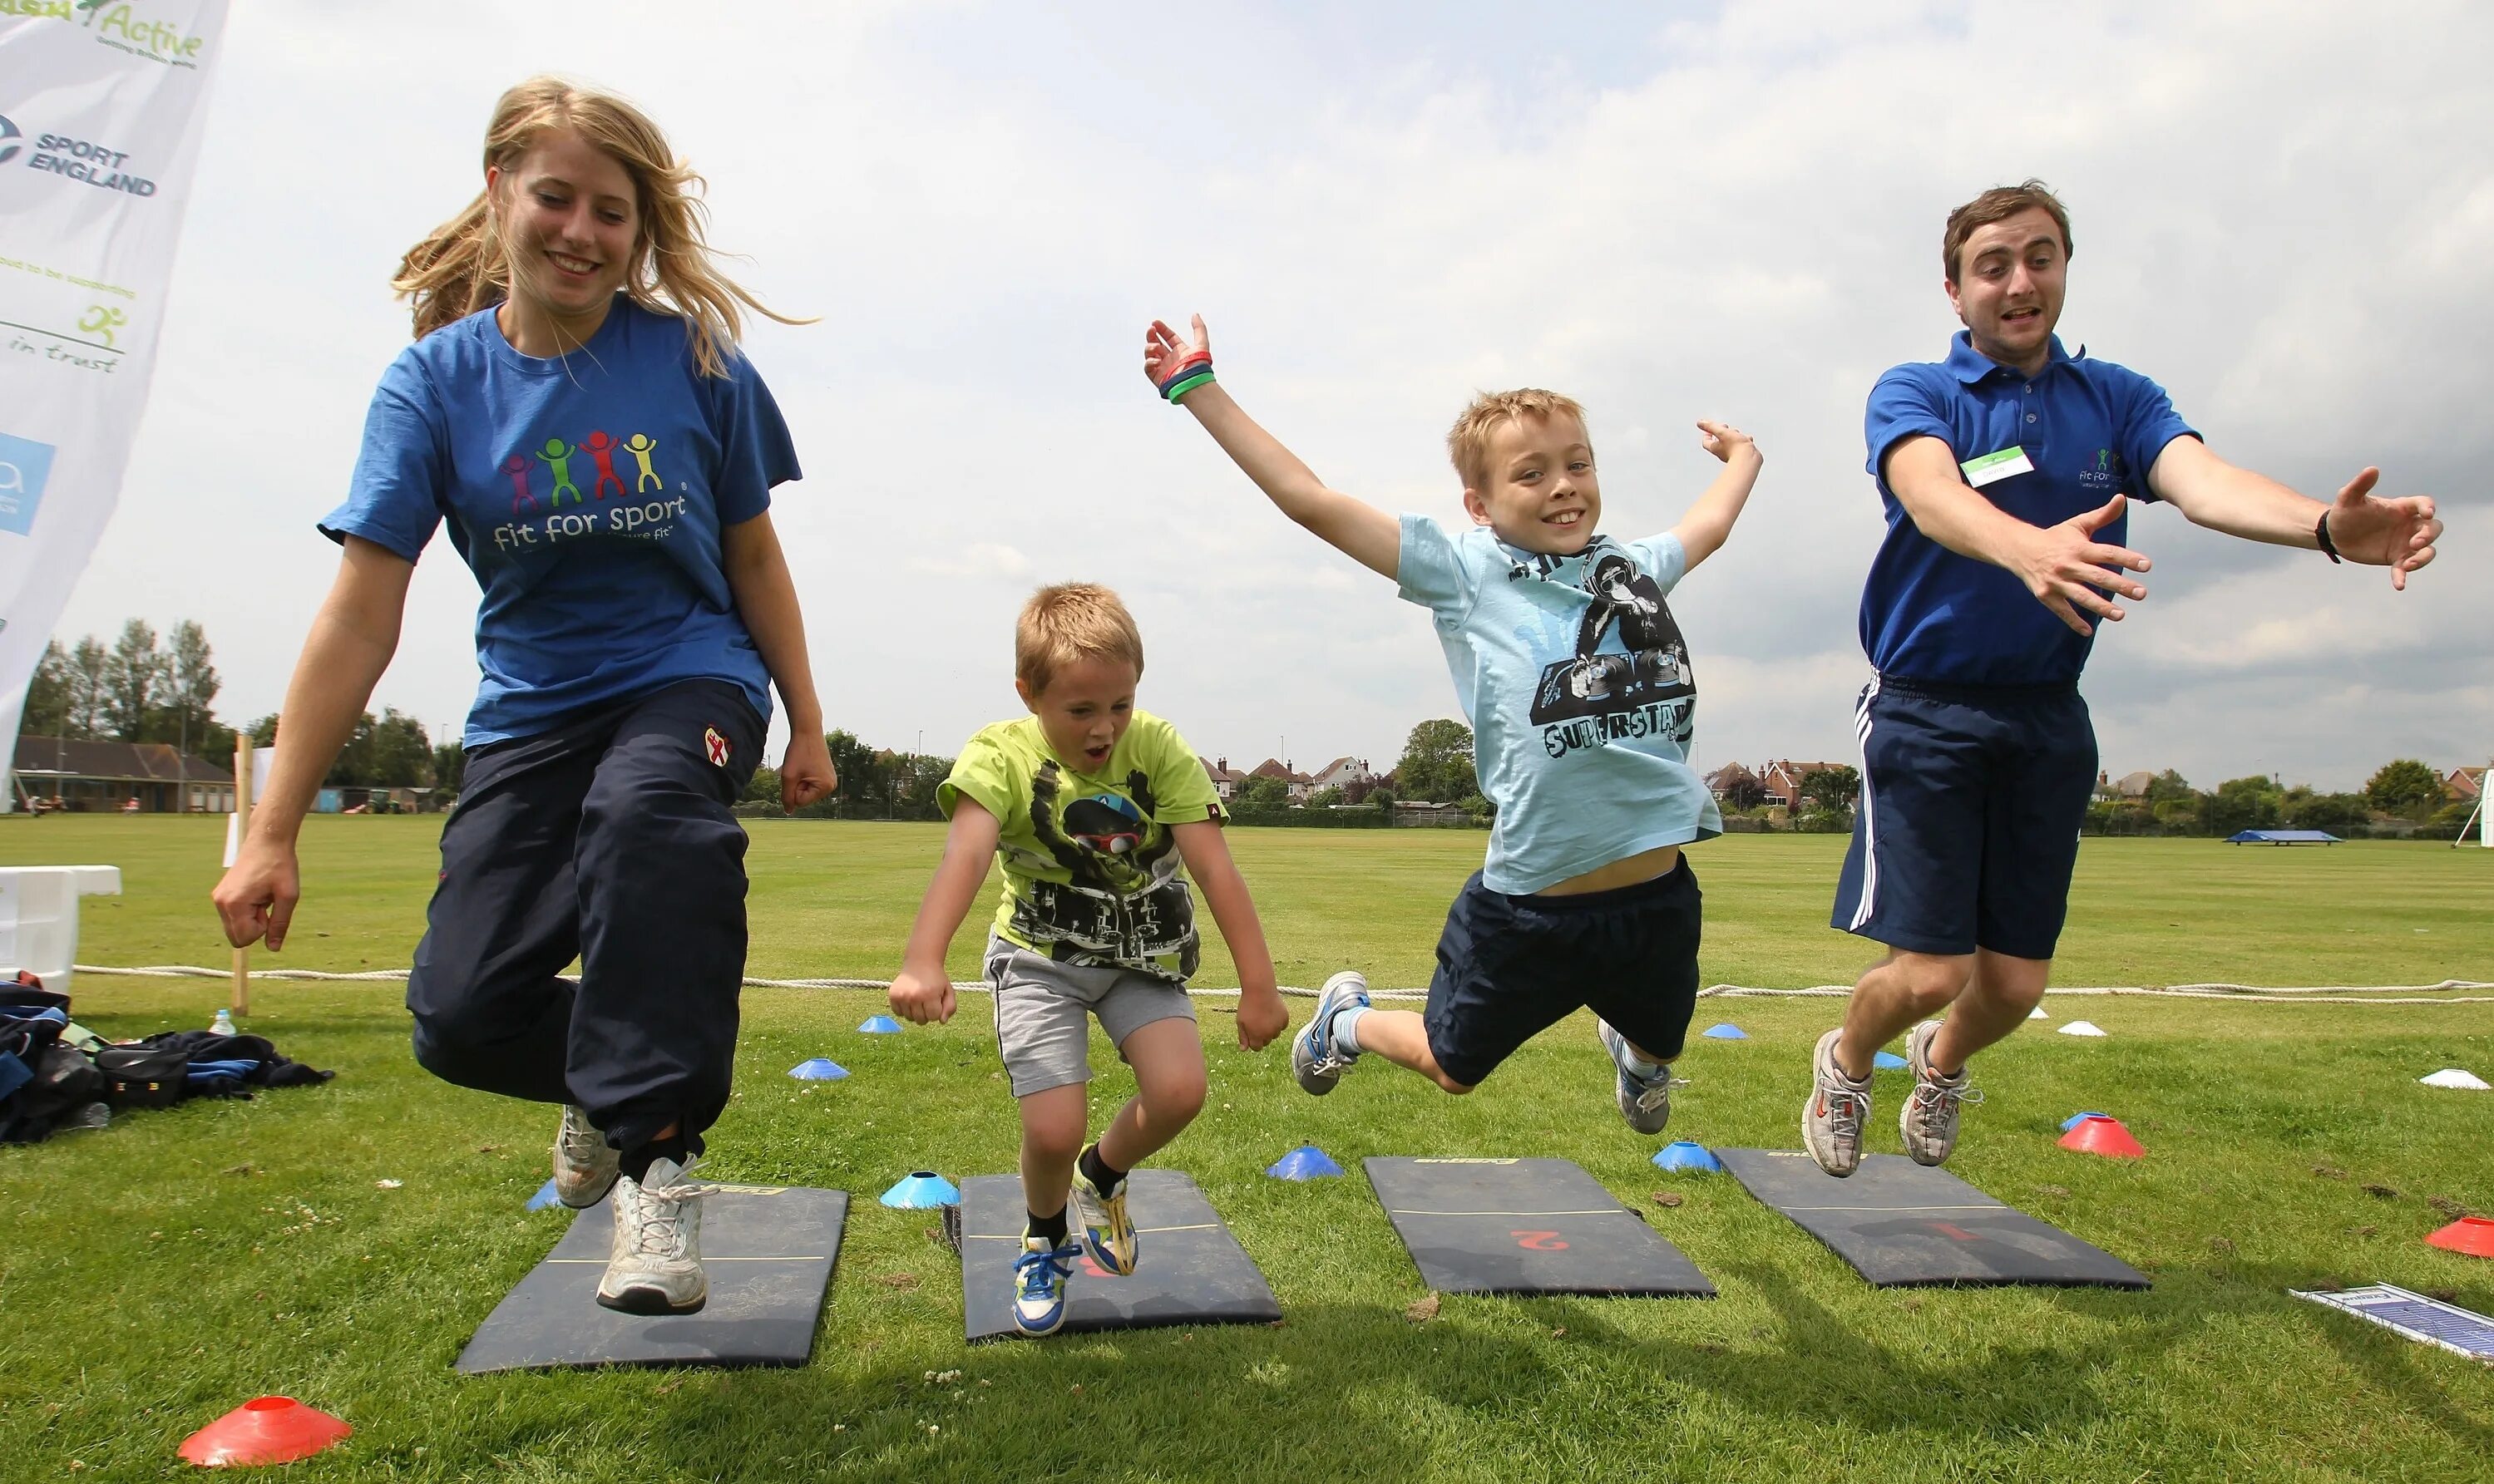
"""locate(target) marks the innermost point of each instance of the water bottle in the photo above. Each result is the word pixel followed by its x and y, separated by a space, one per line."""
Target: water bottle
pixel 224 1024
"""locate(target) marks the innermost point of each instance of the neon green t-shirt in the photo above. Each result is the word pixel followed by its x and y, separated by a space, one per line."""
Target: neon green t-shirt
pixel 1091 868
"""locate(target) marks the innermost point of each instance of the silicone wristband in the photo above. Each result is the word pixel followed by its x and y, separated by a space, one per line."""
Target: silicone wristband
pixel 1187 383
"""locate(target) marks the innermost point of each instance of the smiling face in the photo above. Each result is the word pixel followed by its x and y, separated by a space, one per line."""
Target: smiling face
pixel 2011 276
pixel 570 218
pixel 1084 709
pixel 1537 488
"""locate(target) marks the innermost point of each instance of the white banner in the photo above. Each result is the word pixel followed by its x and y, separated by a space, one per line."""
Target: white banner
pixel 101 107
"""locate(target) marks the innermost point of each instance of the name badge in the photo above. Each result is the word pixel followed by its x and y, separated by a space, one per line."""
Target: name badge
pixel 1994 466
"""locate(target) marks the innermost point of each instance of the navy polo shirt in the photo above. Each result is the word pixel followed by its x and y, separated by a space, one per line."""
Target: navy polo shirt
pixel 2066 439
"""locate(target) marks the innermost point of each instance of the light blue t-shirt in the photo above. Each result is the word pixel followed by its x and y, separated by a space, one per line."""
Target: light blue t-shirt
pixel 587 494
pixel 1576 683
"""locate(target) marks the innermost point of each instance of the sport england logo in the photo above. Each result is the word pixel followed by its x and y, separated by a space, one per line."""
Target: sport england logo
pixel 720 750
pixel 72 158
pixel 25 467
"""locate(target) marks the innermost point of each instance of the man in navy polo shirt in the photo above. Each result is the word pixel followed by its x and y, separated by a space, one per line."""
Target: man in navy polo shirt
pixel 2005 470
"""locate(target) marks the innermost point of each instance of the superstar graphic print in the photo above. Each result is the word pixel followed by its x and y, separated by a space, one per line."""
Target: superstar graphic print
pixel 1642 688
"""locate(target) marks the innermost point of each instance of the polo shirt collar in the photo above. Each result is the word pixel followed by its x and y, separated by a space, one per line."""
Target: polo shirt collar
pixel 1970 366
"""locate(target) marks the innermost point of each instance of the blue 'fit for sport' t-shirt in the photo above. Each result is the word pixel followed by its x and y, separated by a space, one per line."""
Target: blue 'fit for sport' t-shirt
pixel 2043 448
pixel 1575 680
pixel 587 493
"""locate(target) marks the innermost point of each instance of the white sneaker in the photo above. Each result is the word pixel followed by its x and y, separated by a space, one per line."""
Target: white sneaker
pixel 1830 1121
pixel 1928 1118
pixel 1315 1060
pixel 585 1165
pixel 655 1266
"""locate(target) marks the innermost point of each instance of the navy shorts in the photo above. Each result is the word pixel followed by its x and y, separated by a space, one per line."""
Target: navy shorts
pixel 1511 967
pixel 1969 829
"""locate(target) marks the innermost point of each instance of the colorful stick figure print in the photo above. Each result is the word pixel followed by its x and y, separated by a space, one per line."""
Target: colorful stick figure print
pixel 640 446
pixel 601 448
pixel 556 456
pixel 517 466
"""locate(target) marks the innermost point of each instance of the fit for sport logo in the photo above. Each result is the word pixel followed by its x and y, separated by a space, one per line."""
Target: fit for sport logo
pixel 2101 472
pixel 25 467
pixel 71 158
pixel 559 468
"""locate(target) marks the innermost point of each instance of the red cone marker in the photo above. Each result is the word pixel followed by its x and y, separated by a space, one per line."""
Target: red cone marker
pixel 2472 1235
pixel 265 1430
pixel 2100 1135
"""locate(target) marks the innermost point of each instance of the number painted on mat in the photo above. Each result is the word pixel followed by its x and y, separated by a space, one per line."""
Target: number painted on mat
pixel 1538 1241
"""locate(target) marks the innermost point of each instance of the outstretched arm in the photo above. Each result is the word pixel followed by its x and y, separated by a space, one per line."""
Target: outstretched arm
pixel 1368 536
pixel 1261 1016
pixel 2062 565
pixel 923 991
pixel 1703 530
pixel 2395 534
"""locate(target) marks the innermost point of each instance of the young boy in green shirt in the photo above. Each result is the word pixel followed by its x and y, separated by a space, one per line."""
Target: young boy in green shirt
pixel 1091 806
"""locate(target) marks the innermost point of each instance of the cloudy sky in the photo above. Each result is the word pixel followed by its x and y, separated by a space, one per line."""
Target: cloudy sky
pixel 1669 211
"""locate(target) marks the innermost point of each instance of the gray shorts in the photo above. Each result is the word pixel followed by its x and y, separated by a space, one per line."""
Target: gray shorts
pixel 1043 1008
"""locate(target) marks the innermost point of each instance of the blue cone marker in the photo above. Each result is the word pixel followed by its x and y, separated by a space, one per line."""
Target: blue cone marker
pixel 921 1189
pixel 1305 1163
pixel 822 1069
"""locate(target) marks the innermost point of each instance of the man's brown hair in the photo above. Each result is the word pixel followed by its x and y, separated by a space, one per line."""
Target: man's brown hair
pixel 1999 205
pixel 1069 623
pixel 1467 441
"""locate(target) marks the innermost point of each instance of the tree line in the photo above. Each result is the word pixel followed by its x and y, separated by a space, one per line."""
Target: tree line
pixel 2404 797
pixel 145 687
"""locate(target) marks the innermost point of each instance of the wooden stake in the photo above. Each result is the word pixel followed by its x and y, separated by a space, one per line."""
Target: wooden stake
pixel 242 836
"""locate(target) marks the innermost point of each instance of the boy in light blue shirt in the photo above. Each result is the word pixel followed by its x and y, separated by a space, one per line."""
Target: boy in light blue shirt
pixel 1576 683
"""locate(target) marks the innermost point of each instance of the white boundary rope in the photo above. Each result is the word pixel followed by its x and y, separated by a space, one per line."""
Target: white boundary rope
pixel 2316 994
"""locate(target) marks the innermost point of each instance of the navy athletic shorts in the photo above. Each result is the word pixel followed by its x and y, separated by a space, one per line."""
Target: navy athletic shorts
pixel 1511 967
pixel 1969 829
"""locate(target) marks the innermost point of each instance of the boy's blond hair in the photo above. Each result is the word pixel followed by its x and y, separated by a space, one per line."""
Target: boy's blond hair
pixel 1071 622
pixel 1468 441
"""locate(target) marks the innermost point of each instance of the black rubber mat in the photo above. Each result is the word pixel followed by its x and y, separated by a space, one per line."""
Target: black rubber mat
pixel 1189 1270
pixel 1525 1227
pixel 769 1252
pixel 1900 1224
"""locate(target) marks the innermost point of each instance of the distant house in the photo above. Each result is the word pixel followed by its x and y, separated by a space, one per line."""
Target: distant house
pixel 104 777
pixel 1225 783
pixel 1783 779
pixel 1296 782
pixel 1722 780
pixel 1342 772
pixel 2464 785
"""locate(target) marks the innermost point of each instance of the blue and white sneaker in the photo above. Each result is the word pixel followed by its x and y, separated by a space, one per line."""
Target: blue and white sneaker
pixel 1645 1101
pixel 1039 1275
pixel 1315 1060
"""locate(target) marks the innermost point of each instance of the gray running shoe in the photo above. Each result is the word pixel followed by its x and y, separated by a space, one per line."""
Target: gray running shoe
pixel 1645 1101
pixel 585 1167
pixel 1313 1059
pixel 1928 1118
pixel 1830 1121
pixel 655 1266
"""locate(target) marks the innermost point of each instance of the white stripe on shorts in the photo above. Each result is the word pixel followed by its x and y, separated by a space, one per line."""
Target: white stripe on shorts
pixel 1870 821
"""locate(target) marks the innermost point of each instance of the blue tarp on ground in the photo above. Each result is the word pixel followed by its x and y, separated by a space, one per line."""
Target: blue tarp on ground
pixel 2282 838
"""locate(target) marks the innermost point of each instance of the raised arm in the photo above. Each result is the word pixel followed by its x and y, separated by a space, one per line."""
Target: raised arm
pixel 766 599
pixel 2395 534
pixel 1368 536
pixel 923 991
pixel 1703 530
pixel 1261 1016
pixel 2061 565
pixel 350 643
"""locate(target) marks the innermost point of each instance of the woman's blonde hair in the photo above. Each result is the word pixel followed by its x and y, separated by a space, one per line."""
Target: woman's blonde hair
pixel 462 265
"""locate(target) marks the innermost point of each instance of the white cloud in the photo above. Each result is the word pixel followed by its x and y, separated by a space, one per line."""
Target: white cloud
pixel 1731 214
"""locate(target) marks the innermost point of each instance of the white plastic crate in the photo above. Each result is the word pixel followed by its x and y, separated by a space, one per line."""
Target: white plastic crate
pixel 39 917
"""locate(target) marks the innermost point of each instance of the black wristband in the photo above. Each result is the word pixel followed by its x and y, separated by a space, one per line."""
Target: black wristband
pixel 2321 533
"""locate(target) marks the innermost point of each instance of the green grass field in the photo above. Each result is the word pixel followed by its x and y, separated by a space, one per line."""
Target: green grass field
pixel 161 1271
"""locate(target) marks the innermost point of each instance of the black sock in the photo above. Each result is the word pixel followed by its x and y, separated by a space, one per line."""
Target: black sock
pixel 1051 1227
pixel 636 1162
pixel 1103 1176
